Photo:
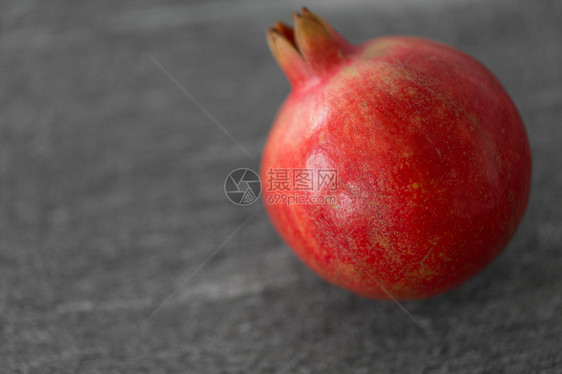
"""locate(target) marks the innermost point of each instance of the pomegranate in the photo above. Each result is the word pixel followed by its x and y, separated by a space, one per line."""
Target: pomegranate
pixel 416 162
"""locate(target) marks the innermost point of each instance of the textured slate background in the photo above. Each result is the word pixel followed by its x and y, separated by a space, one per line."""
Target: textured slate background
pixel 111 193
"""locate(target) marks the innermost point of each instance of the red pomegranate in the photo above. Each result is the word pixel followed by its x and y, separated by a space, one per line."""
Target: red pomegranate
pixel 396 169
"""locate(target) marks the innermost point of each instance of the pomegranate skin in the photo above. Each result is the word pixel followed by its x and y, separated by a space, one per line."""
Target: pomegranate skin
pixel 432 159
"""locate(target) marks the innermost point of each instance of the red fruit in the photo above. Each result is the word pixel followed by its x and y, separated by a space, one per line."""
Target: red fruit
pixel 432 160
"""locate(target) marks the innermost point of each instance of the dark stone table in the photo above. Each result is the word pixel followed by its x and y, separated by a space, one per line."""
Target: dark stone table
pixel 119 252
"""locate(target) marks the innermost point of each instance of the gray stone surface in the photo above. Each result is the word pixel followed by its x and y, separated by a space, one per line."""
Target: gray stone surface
pixel 111 197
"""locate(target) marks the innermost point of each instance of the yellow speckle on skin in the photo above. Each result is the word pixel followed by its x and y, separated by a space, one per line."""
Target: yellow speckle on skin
pixel 350 71
pixel 433 241
pixel 380 47
pixel 474 121
pixel 445 257
pixel 415 185
pixel 426 272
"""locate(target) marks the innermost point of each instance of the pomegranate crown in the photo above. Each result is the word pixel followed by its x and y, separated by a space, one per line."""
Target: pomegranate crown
pixel 310 50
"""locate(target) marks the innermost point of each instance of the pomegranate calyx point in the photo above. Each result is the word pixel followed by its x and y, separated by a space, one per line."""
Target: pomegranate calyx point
pixel 311 49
